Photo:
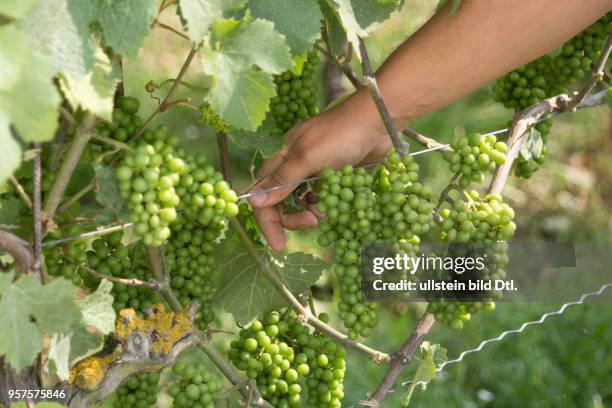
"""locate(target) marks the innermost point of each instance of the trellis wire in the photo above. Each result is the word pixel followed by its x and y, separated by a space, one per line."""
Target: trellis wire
pixel 592 100
pixel 502 335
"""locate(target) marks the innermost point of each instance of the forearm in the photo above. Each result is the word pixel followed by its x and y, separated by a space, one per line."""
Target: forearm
pixel 453 55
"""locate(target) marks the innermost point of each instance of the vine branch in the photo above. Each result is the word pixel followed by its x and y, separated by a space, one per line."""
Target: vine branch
pixel 151 284
pixel 162 279
pixel 20 250
pixel 81 138
pixel 370 81
pixel 400 359
pixel 37 227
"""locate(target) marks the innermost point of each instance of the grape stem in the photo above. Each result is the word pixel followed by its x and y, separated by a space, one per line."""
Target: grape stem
pixel 170 94
pixel 113 142
pixel 444 195
pixel 37 219
pixel 21 192
pixel 369 81
pixel 76 197
pixel 400 359
pixel 151 284
pixel 81 138
pixel 161 276
pixel 169 28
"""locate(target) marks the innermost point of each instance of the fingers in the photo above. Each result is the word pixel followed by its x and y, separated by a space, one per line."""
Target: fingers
pixel 290 172
pixel 269 219
pixel 301 220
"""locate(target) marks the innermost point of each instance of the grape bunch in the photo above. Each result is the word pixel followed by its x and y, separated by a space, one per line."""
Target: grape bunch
pixel 296 95
pixel 578 54
pixel 196 386
pixel 453 314
pixel 147 180
pixel 475 155
pixel 477 219
pixel 140 391
pixel 284 356
pixel 266 358
pixel 125 122
pixel 190 262
pixel 63 259
pixel 361 209
pixel 526 85
pixel 526 167
pixel 110 257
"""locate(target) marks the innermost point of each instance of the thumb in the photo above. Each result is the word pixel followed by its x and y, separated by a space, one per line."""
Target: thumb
pixel 281 181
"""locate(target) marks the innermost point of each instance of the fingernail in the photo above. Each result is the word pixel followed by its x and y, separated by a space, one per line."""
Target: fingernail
pixel 258 199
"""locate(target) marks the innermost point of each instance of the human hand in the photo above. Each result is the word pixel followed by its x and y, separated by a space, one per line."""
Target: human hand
pixel 349 133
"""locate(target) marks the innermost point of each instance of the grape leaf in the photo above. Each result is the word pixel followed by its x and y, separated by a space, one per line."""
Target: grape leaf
pixel 31 102
pixel 52 306
pixel 431 356
pixel 10 155
pixel 246 292
pixel 85 337
pixel 297 20
pixel 125 23
pixel 59 356
pixel 58 30
pixel 263 139
pixel 95 91
pixel 22 339
pixel 241 94
pixel 360 17
pixel 97 309
pixel 15 8
pixel 12 54
pixel 107 191
pixel 197 15
pixel 241 98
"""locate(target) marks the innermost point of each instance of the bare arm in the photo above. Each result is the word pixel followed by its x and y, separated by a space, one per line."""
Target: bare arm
pixel 449 57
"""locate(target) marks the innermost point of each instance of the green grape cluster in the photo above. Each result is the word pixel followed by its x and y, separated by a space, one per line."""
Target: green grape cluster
pixel 189 256
pixel 296 95
pixel 147 180
pixel 477 219
pixel 209 117
pixel 110 257
pixel 268 359
pixel 526 85
pixel 204 195
pixel 487 219
pixel 526 167
pixel 578 54
pixel 125 122
pixel 453 314
pixel 140 391
pixel 196 387
pixel 63 259
pixel 362 208
pixel 285 357
pixel 474 156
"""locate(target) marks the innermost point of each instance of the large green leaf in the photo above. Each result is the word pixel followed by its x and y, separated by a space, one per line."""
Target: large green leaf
pixel 10 151
pixel 199 14
pixel 59 30
pixel 125 23
pixel 95 91
pixel 13 54
pixel 246 292
pixel 240 56
pixel 97 309
pixel 107 192
pixel 298 20
pixel 31 103
pixel 52 306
